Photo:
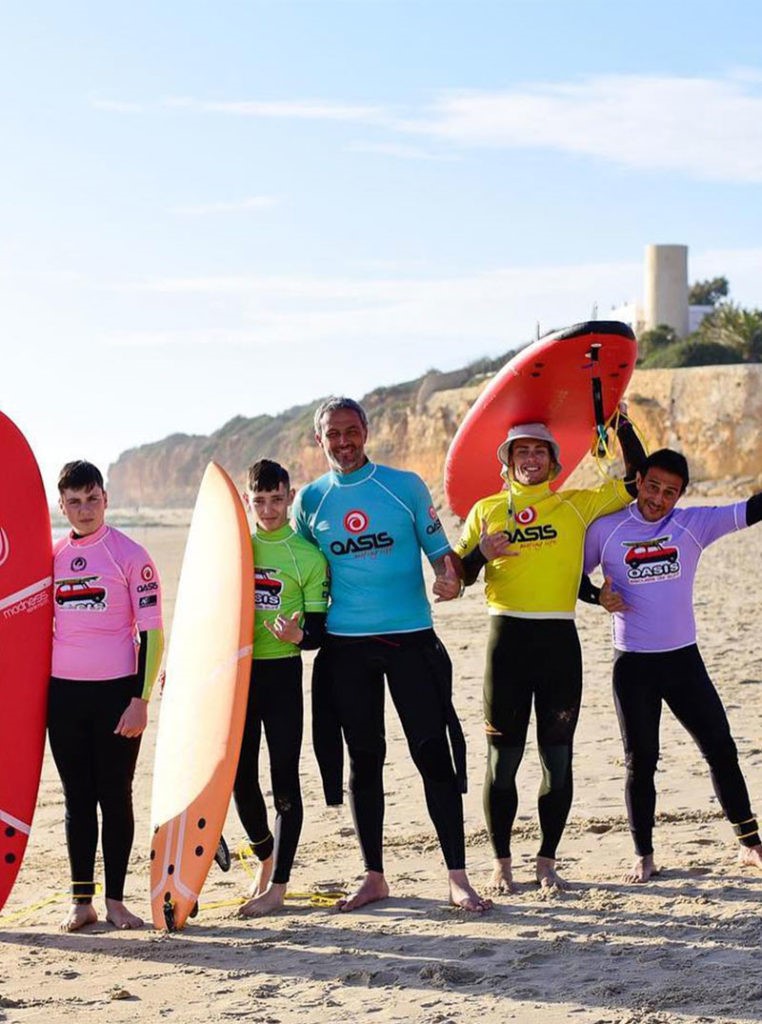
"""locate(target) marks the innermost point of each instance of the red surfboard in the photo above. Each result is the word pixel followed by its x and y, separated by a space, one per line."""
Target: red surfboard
pixel 571 380
pixel 26 634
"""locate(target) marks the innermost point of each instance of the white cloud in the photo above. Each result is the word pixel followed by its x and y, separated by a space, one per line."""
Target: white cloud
pixel 400 151
pixel 708 128
pixel 118 106
pixel 247 205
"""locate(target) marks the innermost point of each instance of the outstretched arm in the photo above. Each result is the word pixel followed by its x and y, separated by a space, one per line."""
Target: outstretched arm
pixel 633 452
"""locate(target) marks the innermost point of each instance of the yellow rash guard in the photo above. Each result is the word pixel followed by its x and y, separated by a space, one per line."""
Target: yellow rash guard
pixel 547 529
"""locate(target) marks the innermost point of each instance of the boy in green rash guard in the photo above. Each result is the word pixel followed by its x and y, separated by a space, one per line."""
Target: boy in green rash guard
pixel 291 599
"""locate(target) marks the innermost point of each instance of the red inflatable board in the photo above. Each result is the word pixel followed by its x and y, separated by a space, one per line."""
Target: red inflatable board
pixel 569 380
pixel 26 633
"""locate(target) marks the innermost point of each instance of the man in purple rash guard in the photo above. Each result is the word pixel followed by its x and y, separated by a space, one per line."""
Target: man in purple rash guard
pixel 649 553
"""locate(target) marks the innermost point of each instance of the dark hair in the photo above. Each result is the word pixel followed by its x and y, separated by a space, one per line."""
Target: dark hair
pixel 79 475
pixel 670 461
pixel 266 475
pixel 333 404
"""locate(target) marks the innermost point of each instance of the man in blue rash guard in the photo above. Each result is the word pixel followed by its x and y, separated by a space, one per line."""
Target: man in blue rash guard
pixel 372 522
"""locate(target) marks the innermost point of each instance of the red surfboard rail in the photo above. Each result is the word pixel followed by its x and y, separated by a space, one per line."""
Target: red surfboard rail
pixel 558 380
pixel 26 636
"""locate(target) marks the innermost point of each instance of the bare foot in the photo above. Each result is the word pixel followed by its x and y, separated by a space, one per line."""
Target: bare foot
pixel 121 918
pixel 643 869
pixel 464 896
pixel 79 915
pixel 262 878
pixel 502 876
pixel 373 888
pixel 264 903
pixel 750 856
pixel 547 876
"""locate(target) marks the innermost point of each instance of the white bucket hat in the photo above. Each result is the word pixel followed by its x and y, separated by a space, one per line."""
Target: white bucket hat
pixel 538 432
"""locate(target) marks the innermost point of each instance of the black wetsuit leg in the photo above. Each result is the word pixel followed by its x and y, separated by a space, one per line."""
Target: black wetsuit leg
pixel 418 672
pixel 275 702
pixel 526 659
pixel 351 673
pixel 682 681
pixel 96 769
pixel 637 699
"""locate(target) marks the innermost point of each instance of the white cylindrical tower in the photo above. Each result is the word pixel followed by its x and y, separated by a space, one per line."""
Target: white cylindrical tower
pixel 666 287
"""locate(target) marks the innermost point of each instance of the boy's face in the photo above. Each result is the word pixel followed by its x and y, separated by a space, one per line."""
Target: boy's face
pixel 270 508
pixel 85 509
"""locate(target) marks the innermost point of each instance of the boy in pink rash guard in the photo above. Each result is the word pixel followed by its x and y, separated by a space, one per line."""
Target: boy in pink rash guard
pixel 107 649
pixel 649 554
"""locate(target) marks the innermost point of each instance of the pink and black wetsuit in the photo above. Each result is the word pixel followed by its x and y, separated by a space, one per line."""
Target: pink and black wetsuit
pixel 107 597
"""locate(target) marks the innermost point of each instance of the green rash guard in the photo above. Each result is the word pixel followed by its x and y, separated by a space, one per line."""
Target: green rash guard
pixel 290 575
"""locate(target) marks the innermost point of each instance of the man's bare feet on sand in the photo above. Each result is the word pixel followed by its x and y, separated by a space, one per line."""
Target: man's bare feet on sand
pixel 464 896
pixel 265 903
pixel 262 878
pixel 373 888
pixel 502 876
pixel 121 918
pixel 547 876
pixel 643 869
pixel 750 857
pixel 79 915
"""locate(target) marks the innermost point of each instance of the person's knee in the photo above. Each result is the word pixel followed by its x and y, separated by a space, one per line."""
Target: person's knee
pixel 433 761
pixel 721 752
pixel 502 765
pixel 641 765
pixel 366 769
pixel 556 767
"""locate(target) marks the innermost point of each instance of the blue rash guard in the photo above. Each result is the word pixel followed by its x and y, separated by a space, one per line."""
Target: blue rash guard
pixel 371 525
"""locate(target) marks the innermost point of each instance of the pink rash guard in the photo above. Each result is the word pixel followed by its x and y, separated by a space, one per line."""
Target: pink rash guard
pixel 107 590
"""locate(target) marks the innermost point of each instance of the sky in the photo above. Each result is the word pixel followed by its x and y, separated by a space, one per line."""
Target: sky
pixel 212 209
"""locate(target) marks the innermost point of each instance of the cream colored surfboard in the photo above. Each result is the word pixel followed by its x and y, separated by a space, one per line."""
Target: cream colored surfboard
pixel 204 702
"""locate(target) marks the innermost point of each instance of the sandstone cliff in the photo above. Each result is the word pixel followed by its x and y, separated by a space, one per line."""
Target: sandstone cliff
pixel 712 413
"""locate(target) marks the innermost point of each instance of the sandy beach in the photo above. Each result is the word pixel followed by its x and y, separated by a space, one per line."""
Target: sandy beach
pixel 683 948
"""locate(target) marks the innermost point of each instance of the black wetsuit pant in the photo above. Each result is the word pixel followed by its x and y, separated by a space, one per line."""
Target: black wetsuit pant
pixel 96 769
pixel 275 702
pixel 349 674
pixel 540 660
pixel 679 678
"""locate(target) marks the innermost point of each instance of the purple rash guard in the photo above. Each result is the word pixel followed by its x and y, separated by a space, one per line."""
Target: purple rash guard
pixel 653 566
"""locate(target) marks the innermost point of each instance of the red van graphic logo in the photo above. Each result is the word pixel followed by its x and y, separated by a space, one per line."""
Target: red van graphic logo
pixel 266 589
pixel 80 592
pixel 651 559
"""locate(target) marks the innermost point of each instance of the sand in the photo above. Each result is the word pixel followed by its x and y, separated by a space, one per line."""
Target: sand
pixel 682 948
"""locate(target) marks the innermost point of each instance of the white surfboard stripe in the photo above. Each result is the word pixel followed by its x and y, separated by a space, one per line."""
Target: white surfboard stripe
pixel 15 822
pixel 33 588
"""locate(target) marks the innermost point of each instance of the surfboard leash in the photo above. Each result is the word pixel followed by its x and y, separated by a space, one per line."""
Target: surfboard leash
pixel 57 897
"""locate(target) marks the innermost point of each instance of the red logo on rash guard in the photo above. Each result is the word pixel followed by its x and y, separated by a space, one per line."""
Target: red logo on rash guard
pixel 356 521
pixel 526 515
pixel 433 513
pixel 147 573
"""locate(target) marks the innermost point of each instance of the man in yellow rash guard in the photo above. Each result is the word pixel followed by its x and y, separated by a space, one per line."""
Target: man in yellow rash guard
pixel 531 541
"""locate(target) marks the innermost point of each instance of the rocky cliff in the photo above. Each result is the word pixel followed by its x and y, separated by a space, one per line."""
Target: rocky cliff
pixel 712 413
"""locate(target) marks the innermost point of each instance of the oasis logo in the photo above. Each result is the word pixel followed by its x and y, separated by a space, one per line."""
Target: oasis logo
pixel 435 525
pixel 651 559
pixel 143 587
pixel 368 542
pixel 147 572
pixel 356 521
pixel 526 515
pixel 532 533
pixel 78 563
pixel 5 547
